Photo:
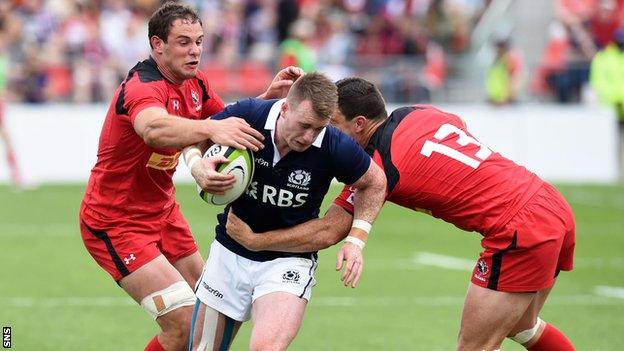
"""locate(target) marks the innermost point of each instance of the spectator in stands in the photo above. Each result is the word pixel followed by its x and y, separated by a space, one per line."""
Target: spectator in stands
pixel 607 79
pixel 503 76
pixel 605 22
pixel 296 50
pixel 448 24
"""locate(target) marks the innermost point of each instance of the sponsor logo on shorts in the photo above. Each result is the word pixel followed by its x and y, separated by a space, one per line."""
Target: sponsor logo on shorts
pixel 129 258
pixel 212 291
pixel 481 270
pixel 290 276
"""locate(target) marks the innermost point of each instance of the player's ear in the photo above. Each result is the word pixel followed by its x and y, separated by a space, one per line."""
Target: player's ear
pixel 157 44
pixel 360 123
pixel 283 109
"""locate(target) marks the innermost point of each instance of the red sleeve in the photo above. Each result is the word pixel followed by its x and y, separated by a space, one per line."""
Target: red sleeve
pixel 345 199
pixel 138 96
pixel 214 104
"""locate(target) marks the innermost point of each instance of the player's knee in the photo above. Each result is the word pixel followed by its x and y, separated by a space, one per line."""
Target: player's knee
pixel 175 296
pixel 526 335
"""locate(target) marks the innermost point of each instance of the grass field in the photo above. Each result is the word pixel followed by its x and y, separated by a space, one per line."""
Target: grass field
pixel 55 297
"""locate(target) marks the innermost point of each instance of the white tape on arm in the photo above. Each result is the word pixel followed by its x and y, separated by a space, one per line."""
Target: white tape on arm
pixel 191 154
pixel 192 160
pixel 355 241
pixel 362 224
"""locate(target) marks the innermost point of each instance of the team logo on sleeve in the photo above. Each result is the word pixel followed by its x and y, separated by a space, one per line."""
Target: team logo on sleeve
pixel 299 179
pixel 481 270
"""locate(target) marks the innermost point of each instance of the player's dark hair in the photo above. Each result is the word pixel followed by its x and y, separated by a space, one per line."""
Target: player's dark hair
pixel 359 97
pixel 161 20
pixel 317 88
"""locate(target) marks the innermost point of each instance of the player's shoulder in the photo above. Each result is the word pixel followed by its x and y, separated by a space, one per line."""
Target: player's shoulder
pixel 255 105
pixel 334 138
pixel 426 114
pixel 145 71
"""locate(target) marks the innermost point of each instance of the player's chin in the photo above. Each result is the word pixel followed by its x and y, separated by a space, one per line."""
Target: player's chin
pixel 190 70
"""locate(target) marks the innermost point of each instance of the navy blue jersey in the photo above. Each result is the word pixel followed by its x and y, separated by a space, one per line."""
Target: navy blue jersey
pixel 291 190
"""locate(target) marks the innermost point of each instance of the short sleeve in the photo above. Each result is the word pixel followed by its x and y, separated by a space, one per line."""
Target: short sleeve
pixel 138 96
pixel 253 111
pixel 349 160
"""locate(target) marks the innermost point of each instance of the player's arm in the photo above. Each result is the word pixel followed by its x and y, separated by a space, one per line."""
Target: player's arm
pixel 368 199
pixel 313 235
pixel 367 202
pixel 160 129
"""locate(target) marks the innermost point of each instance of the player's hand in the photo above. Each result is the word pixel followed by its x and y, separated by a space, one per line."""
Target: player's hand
pixel 206 176
pixel 235 132
pixel 282 82
pixel 350 260
pixel 240 231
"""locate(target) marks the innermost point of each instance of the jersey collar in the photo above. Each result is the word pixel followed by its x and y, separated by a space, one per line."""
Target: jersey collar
pixel 271 122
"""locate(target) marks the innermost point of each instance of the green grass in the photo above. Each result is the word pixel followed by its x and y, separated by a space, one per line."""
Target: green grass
pixel 55 297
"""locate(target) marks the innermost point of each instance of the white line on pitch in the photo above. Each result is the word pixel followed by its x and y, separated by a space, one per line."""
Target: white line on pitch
pixel 443 261
pixel 609 291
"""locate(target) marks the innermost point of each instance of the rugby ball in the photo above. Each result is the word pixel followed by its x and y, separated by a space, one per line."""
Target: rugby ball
pixel 241 165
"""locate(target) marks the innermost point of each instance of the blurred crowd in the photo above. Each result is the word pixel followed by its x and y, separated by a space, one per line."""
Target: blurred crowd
pixel 581 30
pixel 79 50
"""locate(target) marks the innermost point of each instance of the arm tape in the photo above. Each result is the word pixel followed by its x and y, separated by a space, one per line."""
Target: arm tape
pixel 362 224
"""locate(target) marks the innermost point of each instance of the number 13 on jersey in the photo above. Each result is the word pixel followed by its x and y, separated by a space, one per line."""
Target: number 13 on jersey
pixel 462 140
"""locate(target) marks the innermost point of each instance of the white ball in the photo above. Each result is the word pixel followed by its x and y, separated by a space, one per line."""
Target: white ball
pixel 241 165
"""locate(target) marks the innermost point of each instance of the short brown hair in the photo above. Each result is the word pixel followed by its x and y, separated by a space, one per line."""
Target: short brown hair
pixel 319 90
pixel 161 20
pixel 359 97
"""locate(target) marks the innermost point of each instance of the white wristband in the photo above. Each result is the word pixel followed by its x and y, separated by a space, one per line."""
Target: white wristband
pixel 355 241
pixel 192 161
pixel 362 224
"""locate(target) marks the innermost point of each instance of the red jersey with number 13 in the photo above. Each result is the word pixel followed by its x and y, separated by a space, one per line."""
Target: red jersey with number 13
pixel 433 164
pixel 131 179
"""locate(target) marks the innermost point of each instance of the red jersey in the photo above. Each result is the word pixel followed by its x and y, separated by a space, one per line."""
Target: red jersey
pixel 434 165
pixel 131 179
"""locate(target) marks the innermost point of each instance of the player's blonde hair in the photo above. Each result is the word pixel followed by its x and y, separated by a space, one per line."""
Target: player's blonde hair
pixel 319 90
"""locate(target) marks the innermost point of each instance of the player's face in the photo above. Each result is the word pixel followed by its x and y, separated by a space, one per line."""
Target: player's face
pixel 301 125
pixel 182 51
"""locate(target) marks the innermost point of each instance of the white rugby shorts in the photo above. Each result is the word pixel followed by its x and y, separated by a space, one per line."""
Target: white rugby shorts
pixel 231 283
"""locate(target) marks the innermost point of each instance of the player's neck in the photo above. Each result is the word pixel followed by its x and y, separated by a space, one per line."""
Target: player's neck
pixel 368 134
pixel 166 72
